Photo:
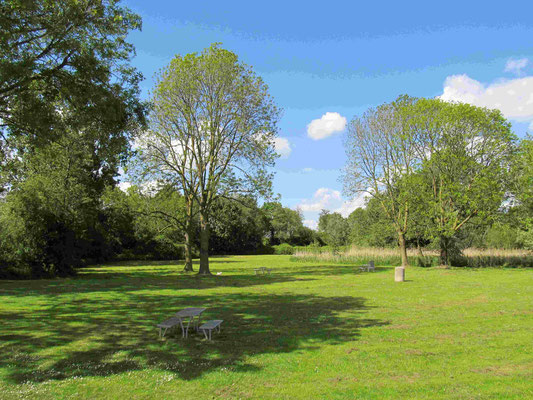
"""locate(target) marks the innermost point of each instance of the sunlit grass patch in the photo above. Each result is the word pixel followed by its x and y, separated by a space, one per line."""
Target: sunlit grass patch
pixel 308 330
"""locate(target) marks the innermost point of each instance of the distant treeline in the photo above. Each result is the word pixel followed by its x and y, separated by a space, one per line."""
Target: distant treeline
pixel 369 227
pixel 45 232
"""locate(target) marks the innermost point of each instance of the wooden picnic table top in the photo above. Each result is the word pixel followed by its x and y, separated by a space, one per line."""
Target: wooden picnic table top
pixel 190 312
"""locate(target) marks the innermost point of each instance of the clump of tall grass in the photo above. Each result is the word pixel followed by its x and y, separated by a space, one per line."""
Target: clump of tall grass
pixel 352 255
pixel 476 258
pixel 474 252
pixel 479 258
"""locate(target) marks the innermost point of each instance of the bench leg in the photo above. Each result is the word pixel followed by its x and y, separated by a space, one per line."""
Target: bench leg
pixel 197 323
pixel 188 324
pixel 182 329
pixel 162 335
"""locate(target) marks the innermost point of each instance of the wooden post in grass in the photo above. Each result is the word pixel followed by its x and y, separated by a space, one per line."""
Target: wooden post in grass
pixel 399 274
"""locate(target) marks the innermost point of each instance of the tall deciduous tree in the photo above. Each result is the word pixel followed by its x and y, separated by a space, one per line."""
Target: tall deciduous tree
pixel 211 133
pixel 434 166
pixel 69 102
pixel 64 66
pixel 381 150
pixel 465 154
pixel 524 191
pixel 73 51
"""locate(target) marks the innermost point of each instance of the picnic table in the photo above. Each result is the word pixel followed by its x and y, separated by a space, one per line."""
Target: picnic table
pixel 191 313
pixel 188 315
pixel 262 270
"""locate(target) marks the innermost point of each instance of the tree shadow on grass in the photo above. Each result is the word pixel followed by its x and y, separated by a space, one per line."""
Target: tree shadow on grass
pixel 98 337
pixel 178 264
pixel 331 269
pixel 157 276
pixel 112 279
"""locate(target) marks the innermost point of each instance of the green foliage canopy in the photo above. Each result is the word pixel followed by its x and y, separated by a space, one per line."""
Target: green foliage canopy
pixel 334 228
pixel 212 131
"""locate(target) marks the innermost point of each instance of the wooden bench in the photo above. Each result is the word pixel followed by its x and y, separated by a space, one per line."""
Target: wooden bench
pixel 168 324
pixel 368 267
pixel 209 326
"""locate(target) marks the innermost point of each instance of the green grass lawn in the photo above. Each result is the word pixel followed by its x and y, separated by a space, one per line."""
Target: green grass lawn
pixel 308 331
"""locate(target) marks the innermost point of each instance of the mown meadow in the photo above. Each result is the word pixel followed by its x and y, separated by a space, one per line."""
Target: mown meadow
pixel 308 330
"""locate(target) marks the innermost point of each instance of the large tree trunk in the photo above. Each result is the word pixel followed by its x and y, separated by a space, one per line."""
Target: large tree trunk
pixel 188 252
pixel 419 248
pixel 444 254
pixel 204 244
pixel 188 238
pixel 403 249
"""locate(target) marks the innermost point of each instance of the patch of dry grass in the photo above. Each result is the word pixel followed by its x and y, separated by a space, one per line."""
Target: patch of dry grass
pixel 390 256
pixel 473 252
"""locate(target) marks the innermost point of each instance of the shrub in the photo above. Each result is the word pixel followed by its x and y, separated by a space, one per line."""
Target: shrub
pixel 263 249
pixel 427 261
pixel 284 248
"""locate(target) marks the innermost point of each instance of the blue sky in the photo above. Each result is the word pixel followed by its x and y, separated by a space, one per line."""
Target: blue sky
pixel 330 61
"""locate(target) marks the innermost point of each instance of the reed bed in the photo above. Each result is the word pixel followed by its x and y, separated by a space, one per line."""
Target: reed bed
pixel 473 252
pixel 471 257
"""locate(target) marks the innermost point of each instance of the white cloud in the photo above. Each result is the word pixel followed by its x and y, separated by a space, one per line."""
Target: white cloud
pixel 330 199
pixel 516 65
pixel 282 146
pixel 349 206
pixel 323 198
pixel 307 169
pixel 326 125
pixel 513 97
pixel 311 223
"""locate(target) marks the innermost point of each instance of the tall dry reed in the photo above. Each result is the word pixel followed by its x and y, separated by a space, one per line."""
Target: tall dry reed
pixel 391 256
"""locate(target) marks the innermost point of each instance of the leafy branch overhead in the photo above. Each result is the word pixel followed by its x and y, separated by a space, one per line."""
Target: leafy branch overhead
pixel 64 54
